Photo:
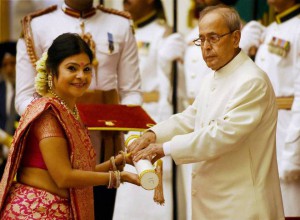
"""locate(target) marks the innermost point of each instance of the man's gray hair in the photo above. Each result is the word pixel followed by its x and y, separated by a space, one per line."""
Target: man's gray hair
pixel 230 15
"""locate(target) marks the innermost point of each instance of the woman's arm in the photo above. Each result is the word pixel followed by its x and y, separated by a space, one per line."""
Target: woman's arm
pixel 55 154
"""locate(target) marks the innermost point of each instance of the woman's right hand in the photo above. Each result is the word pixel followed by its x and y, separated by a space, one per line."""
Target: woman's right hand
pixel 130 178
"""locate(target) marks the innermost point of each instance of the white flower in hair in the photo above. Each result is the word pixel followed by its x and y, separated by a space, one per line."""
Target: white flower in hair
pixel 41 79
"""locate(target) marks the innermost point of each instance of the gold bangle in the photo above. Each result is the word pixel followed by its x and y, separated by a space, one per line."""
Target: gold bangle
pixel 124 158
pixel 113 164
pixel 135 136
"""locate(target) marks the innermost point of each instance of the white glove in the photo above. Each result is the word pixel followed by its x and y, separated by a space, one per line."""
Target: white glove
pixel 251 35
pixel 289 171
pixel 172 48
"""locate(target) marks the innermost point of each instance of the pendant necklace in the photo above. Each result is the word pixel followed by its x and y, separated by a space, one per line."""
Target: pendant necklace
pixel 74 112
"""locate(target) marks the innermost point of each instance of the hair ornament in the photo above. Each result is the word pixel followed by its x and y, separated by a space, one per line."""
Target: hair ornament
pixel 41 80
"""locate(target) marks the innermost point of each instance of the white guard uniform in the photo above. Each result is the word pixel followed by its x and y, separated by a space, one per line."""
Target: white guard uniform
pixel 284 73
pixel 195 67
pixel 155 69
pixel 228 134
pixel 117 69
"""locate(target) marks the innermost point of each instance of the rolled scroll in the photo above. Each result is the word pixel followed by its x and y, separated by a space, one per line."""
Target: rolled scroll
pixel 146 171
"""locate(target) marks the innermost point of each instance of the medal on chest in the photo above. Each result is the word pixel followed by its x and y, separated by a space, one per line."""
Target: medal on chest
pixel 279 46
pixel 143 47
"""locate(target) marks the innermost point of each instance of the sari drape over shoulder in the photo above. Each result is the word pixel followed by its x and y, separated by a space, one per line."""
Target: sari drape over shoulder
pixel 82 154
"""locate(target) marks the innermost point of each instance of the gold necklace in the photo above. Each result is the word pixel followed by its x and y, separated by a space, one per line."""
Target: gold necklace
pixel 74 112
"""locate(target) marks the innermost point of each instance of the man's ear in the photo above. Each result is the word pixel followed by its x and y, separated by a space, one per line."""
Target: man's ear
pixel 236 38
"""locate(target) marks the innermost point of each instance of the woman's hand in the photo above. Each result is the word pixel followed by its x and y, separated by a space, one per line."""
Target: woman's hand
pixel 130 178
pixel 119 160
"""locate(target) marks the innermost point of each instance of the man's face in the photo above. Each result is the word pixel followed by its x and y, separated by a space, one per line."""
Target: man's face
pixel 217 54
pixel 134 6
pixel 79 4
pixel 281 5
pixel 9 67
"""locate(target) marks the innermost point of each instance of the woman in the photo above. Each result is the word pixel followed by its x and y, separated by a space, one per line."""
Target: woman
pixel 51 153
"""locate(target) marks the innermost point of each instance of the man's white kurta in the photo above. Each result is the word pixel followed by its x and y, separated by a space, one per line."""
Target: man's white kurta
pixel 229 136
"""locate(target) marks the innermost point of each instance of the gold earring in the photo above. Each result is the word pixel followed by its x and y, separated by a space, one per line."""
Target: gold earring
pixel 50 82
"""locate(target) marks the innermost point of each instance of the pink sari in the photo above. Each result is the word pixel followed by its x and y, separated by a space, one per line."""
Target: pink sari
pixel 82 156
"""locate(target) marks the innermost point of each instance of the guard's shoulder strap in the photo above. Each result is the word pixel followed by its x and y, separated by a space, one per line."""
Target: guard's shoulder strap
pixel 27 32
pixel 124 14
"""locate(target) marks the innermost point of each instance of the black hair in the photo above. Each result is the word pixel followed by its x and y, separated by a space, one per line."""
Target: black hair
pixel 229 2
pixel 66 45
pixel 7 47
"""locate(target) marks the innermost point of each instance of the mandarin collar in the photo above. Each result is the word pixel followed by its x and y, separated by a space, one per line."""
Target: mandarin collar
pixel 146 19
pixel 288 14
pixel 78 14
pixel 232 65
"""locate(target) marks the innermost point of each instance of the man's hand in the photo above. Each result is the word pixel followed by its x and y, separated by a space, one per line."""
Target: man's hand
pixel 153 152
pixel 142 142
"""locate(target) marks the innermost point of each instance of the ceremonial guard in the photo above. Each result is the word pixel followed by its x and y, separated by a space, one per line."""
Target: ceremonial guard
pixel 278 55
pixel 116 77
pixel 158 47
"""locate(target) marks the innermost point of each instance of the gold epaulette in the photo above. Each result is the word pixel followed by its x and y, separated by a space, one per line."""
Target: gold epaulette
pixel 124 14
pixel 27 32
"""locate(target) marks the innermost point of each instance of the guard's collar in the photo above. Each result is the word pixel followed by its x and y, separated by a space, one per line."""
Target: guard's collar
pixel 288 14
pixel 78 14
pixel 146 19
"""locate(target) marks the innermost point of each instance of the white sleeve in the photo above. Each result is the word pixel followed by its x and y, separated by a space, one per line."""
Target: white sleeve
pixel 25 74
pixel 220 136
pixel 129 81
pixel 290 164
pixel 167 148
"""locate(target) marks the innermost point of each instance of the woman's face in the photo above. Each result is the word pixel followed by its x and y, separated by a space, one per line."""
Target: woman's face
pixel 74 77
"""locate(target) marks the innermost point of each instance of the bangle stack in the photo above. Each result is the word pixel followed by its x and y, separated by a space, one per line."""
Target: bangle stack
pixel 113 166
pixel 114 179
pixel 124 158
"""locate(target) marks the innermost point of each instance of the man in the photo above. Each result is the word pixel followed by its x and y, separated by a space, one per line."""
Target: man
pixel 116 77
pixel 8 115
pixel 157 48
pixel 278 48
pixel 195 69
pixel 228 133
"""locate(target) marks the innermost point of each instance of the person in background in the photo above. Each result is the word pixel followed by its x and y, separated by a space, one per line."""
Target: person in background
pixel 278 47
pixel 158 47
pixel 8 115
pixel 228 133
pixel 52 154
pixel 116 79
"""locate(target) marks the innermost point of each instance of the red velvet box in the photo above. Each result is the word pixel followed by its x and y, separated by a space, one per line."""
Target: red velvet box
pixel 115 117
